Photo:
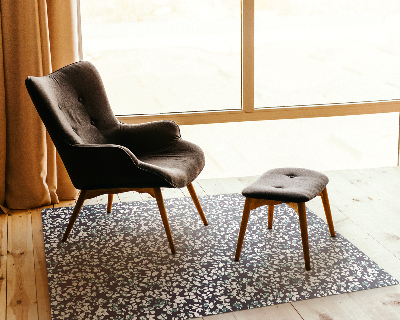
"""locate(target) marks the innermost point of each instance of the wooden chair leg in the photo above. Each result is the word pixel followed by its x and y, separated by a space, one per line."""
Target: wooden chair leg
pixel 161 207
pixel 197 203
pixel 328 214
pixel 78 206
pixel 110 200
pixel 243 226
pixel 270 215
pixel 304 234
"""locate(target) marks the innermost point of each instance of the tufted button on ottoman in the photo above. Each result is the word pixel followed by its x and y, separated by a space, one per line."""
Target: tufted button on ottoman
pixel 294 186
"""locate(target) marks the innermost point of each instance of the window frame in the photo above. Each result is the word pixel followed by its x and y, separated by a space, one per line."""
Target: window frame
pixel 248 112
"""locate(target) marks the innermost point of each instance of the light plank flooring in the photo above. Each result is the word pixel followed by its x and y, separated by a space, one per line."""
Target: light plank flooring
pixel 365 207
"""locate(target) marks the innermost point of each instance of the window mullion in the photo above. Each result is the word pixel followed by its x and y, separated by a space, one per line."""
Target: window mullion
pixel 248 55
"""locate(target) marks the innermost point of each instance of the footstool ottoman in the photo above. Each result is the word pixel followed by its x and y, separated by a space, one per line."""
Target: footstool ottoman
pixel 293 186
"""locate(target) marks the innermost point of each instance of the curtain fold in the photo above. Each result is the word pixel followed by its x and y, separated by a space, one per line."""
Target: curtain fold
pixel 2 128
pixel 31 173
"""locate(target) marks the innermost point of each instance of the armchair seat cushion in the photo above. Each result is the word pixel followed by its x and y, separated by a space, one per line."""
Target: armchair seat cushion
pixel 179 165
pixel 288 185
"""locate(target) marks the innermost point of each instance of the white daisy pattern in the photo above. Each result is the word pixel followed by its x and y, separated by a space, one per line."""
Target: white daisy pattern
pixel 119 266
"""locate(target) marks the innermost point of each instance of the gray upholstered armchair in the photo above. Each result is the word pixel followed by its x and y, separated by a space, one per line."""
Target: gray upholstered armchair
pixel 105 156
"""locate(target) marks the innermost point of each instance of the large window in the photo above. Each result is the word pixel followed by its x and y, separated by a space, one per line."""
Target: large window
pixel 163 56
pixel 230 60
pixel 326 51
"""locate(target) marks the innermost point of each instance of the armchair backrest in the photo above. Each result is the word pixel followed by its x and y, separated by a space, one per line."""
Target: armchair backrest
pixel 73 105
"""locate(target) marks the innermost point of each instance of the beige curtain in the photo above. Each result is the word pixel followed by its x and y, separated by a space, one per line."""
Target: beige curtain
pixel 37 36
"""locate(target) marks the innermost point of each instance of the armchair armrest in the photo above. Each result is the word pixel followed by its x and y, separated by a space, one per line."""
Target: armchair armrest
pixel 147 138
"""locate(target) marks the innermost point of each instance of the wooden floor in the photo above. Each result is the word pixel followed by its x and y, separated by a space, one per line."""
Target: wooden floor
pixel 365 207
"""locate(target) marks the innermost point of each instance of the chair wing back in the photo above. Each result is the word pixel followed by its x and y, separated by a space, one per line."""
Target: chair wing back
pixel 73 105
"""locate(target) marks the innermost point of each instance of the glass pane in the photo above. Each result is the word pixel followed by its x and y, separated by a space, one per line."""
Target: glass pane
pixel 326 51
pixel 159 56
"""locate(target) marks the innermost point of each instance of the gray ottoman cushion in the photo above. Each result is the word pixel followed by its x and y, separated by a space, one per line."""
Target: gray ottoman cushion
pixel 287 185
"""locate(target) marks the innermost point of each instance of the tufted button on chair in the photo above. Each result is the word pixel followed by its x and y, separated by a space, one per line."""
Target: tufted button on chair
pixel 105 156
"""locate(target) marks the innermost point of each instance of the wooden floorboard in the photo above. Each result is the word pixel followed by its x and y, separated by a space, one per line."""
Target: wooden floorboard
pixel 3 266
pixel 332 307
pixel 365 207
pixel 42 287
pixel 21 284
pixel 379 303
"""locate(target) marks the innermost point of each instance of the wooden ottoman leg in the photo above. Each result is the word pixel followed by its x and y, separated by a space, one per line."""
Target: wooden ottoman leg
pixel 109 204
pixel 243 226
pixel 270 215
pixel 304 234
pixel 327 208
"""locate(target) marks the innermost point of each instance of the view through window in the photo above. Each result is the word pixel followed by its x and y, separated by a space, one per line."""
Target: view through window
pixel 326 51
pixel 160 56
